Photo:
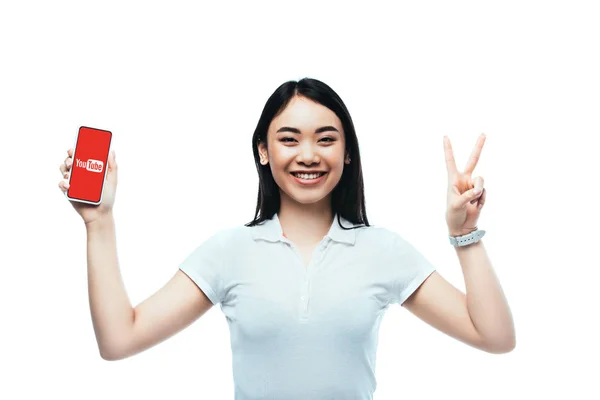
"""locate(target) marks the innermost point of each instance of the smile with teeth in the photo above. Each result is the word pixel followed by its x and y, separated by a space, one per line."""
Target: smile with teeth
pixel 308 176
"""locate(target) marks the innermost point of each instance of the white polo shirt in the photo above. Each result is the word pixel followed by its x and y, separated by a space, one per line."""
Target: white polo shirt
pixel 299 332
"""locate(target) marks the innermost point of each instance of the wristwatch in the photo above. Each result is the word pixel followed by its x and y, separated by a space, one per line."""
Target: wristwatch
pixel 467 239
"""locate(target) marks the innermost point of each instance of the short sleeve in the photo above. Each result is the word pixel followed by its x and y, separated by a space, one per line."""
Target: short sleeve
pixel 205 267
pixel 410 268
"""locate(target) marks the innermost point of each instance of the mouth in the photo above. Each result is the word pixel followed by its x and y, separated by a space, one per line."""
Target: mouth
pixel 308 179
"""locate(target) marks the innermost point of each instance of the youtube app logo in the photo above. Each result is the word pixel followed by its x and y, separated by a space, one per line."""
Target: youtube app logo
pixel 90 165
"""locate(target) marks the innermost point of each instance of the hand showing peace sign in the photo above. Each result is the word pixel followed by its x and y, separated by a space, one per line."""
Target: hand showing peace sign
pixel 466 195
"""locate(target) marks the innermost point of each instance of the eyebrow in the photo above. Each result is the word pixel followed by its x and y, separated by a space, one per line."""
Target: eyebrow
pixel 296 130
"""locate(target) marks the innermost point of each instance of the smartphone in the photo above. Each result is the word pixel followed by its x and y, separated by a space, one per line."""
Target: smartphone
pixel 90 162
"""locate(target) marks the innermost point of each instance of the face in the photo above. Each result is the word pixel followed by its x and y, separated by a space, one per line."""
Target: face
pixel 306 136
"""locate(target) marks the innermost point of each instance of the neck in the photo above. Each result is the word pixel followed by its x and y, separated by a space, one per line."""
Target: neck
pixel 305 223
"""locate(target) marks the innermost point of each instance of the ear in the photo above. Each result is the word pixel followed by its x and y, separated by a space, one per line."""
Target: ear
pixel 263 154
pixel 347 160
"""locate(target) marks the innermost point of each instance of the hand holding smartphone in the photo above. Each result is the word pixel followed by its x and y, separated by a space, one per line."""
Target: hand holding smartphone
pixel 91 171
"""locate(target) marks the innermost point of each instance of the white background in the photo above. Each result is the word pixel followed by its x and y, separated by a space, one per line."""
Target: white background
pixel 182 85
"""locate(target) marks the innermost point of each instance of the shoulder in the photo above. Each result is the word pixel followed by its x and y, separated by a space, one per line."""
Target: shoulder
pixel 234 235
pixel 381 235
pixel 386 241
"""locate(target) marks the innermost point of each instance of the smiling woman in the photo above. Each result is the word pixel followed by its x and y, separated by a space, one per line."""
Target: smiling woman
pixel 304 285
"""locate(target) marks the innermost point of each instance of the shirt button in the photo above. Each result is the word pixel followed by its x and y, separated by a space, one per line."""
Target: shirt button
pixel 302 298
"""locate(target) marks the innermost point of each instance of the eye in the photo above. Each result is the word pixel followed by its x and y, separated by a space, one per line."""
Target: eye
pixel 292 139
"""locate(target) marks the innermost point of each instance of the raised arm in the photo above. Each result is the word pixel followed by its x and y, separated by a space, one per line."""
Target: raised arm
pixel 121 330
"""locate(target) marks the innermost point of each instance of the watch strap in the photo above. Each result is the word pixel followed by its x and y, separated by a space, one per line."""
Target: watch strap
pixel 469 238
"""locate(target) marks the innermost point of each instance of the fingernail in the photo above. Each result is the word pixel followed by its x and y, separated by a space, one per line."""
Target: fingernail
pixel 477 190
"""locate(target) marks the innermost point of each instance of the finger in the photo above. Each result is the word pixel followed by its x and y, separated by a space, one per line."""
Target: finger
pixel 450 162
pixel 475 154
pixel 478 183
pixel 112 162
pixel 478 188
pixel 470 196
pixel 112 167
pixel 70 152
pixel 482 199
pixel 68 162
pixel 66 166
pixel 63 185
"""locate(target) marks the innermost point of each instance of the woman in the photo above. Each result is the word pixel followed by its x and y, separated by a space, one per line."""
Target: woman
pixel 305 284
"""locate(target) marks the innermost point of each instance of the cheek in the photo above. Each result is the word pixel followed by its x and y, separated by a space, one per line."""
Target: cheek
pixel 281 157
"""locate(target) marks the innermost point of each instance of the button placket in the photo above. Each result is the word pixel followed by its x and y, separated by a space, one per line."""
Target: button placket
pixel 303 304
pixel 305 289
pixel 322 248
pixel 308 273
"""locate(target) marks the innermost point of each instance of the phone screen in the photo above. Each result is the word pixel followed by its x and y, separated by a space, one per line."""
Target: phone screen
pixel 88 170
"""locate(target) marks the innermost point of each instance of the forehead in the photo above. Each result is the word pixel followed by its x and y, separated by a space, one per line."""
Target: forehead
pixel 303 113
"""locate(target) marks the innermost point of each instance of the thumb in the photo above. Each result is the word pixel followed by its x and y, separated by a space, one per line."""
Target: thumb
pixel 112 163
pixel 466 198
pixel 469 196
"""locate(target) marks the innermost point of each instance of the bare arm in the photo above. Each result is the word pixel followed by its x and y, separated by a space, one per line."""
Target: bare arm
pixel 122 331
pixel 481 318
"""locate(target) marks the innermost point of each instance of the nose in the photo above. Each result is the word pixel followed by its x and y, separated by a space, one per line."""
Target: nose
pixel 307 154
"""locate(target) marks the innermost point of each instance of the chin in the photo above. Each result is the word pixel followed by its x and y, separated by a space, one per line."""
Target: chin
pixel 309 199
pixel 307 195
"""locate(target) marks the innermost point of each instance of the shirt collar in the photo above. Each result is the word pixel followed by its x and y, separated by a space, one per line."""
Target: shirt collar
pixel 271 230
